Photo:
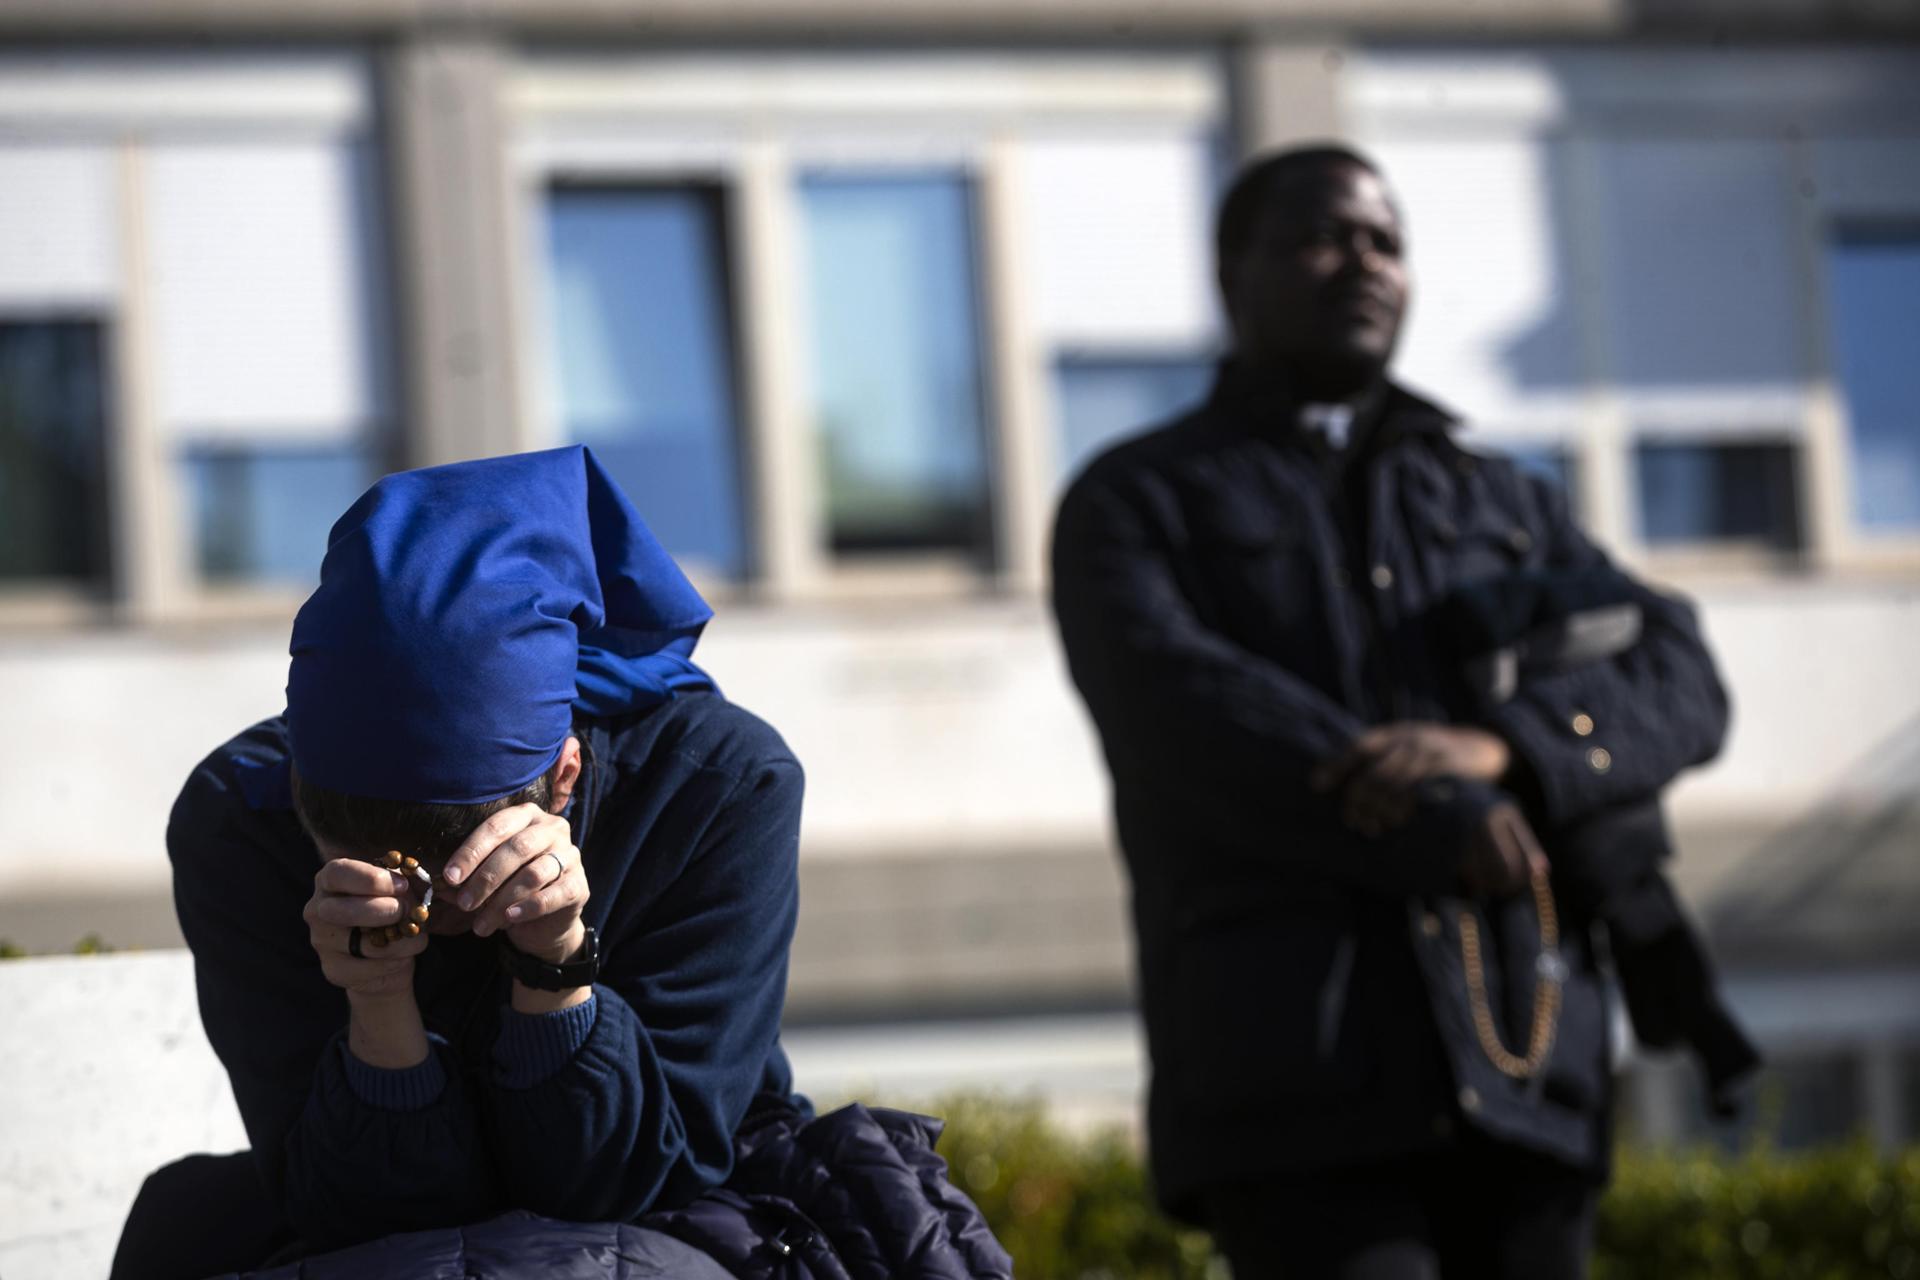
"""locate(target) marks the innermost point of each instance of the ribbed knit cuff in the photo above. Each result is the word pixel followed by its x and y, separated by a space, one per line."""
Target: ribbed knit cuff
pixel 412 1088
pixel 533 1046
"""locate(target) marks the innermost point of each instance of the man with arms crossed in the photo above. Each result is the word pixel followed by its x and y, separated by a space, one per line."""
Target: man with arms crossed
pixel 1379 1038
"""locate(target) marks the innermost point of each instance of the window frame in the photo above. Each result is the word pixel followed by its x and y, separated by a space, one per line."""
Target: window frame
pixel 1721 556
pixel 129 102
pixel 906 565
pixel 651 116
pixel 57 599
pixel 1860 546
pixel 541 413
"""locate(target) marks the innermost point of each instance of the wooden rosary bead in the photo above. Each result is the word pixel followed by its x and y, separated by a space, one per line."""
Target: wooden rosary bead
pixel 410 863
pixel 378 937
pixel 394 859
pixel 409 929
pixel 419 915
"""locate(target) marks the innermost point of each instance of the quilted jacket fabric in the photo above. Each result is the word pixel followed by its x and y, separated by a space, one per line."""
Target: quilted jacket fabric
pixel 859 1194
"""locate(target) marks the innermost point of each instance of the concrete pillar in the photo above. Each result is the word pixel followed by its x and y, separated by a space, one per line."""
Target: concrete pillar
pixel 1022 452
pixel 1658 1099
pixel 1826 454
pixel 1604 477
pixel 1883 1096
pixel 446 144
pixel 1287 92
pixel 789 531
pixel 150 544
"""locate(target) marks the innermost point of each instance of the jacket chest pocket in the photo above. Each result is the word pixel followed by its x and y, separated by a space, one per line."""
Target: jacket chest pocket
pixel 1254 576
pixel 1485 545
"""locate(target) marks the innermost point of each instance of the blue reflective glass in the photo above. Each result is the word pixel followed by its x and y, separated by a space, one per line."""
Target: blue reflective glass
pixel 1103 399
pixel 53 461
pixel 642 357
pixel 899 404
pixel 1717 493
pixel 1874 281
pixel 261 512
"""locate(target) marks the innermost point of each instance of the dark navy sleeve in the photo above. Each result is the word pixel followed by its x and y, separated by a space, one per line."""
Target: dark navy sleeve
pixel 1228 735
pixel 412 1088
pixel 683 1023
pixel 532 1046
pixel 342 1168
pixel 1614 732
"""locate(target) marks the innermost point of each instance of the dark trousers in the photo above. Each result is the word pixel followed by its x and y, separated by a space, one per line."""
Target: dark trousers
pixel 200 1216
pixel 1476 1212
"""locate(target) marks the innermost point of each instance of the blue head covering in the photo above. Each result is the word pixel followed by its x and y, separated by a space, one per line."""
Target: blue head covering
pixel 464 611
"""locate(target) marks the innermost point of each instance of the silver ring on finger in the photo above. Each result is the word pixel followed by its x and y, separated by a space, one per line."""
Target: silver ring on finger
pixel 353 943
pixel 559 867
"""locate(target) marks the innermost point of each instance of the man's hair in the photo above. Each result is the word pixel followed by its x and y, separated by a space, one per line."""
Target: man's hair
pixel 430 832
pixel 1257 183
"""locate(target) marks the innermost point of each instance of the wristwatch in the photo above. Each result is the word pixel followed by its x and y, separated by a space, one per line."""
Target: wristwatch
pixel 578 970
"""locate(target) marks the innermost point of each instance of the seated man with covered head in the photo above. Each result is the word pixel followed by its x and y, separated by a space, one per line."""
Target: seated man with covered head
pixel 496 916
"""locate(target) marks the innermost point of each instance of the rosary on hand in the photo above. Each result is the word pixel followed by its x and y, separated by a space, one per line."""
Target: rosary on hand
pixel 412 920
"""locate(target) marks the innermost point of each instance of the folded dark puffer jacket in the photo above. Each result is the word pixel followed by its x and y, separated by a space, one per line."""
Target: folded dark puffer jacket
pixel 859 1194
pixel 1611 867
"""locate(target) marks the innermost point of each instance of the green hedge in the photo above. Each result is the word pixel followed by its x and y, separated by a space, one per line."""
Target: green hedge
pixel 1077 1208
pixel 1835 1214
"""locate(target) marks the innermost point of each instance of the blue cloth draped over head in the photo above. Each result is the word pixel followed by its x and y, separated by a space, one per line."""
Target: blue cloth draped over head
pixel 463 613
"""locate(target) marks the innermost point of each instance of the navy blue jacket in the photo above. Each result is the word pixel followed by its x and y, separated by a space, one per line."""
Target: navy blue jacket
pixel 687 819
pixel 1235 612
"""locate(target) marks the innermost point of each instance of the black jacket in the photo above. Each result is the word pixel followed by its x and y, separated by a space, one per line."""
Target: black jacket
pixel 1235 611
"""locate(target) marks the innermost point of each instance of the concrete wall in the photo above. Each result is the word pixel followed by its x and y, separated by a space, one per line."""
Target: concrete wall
pixel 949 728
pixel 107 1075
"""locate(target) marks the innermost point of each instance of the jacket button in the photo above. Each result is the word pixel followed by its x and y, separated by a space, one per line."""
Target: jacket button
pixel 1601 759
pixel 1582 723
pixel 1430 925
pixel 1469 1099
pixel 1520 540
pixel 1382 576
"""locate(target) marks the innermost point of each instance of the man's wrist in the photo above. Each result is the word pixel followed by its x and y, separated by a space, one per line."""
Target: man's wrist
pixel 526 999
pixel 386 1030
pixel 557 952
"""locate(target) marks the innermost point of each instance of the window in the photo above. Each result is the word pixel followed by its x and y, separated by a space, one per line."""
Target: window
pixel 1717 493
pixel 261 513
pixel 642 356
pixel 272 386
pixel 899 401
pixel 1103 399
pixel 1875 296
pixel 53 470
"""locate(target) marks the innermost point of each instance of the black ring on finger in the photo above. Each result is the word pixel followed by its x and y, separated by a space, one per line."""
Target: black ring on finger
pixel 353 943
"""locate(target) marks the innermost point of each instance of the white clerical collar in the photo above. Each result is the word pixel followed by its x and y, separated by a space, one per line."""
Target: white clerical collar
pixel 1334 422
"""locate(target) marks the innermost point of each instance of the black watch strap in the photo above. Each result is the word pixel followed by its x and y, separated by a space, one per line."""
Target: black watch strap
pixel 578 970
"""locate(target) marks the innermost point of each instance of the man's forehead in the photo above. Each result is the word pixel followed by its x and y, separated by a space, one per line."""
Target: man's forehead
pixel 1337 188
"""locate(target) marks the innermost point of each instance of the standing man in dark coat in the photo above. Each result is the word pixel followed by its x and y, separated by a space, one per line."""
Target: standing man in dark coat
pixel 1379 1037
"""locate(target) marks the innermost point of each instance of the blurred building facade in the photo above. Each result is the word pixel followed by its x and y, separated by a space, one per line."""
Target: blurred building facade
pixel 843 292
